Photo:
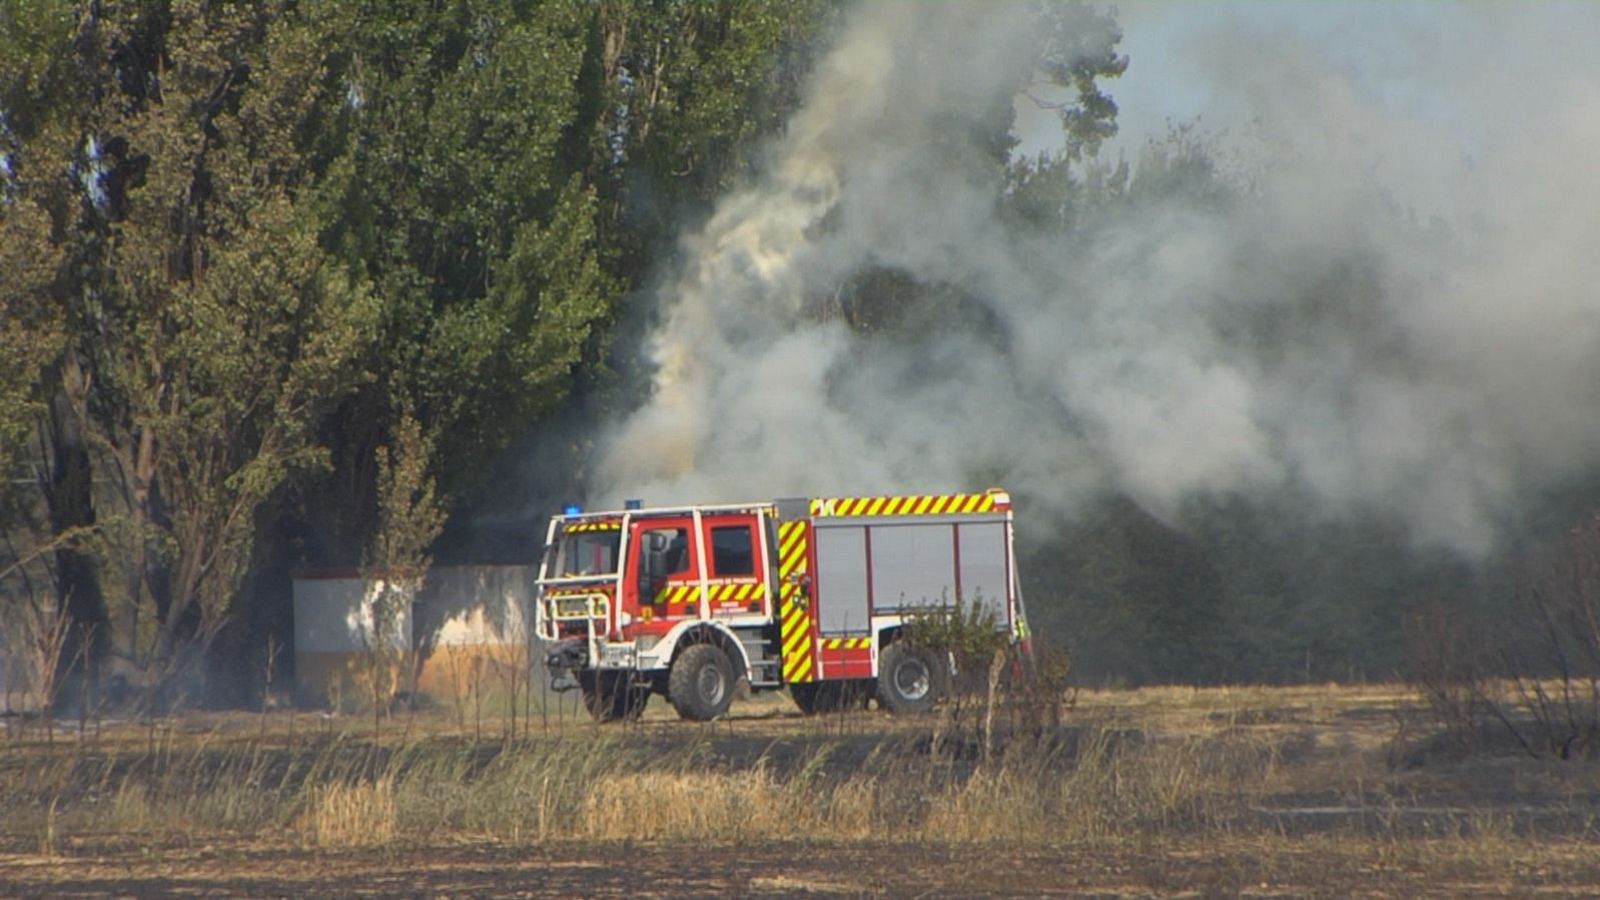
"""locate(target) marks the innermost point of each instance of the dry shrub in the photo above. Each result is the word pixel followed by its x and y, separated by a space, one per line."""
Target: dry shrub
pixel 358 814
pixel 1533 674
pixel 1447 663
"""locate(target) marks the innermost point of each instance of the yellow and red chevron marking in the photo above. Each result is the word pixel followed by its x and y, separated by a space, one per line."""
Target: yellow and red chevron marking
pixel 914 505
pixel 858 643
pixel 799 654
pixel 678 593
pixel 735 592
pixel 611 525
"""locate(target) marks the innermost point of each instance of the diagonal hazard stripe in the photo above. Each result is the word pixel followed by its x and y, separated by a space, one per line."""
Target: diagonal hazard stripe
pixel 793 641
pixel 905 505
pixel 794 538
pixel 802 669
pixel 793 559
pixel 791 621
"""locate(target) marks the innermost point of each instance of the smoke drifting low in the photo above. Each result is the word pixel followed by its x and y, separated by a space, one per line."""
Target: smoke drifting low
pixel 1391 311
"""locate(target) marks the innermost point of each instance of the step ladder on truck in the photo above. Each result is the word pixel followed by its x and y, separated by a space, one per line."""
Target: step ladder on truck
pixel 811 595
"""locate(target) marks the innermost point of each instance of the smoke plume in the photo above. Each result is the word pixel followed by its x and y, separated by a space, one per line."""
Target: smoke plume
pixel 1394 308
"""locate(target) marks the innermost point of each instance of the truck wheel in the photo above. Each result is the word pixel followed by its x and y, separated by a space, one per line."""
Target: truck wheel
pixel 911 679
pixel 701 683
pixel 613 695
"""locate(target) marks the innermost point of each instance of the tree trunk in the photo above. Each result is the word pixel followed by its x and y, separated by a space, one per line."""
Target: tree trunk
pixel 69 495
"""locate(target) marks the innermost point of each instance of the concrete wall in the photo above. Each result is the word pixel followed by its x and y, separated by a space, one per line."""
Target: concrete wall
pixel 475 623
pixel 468 624
pixel 333 629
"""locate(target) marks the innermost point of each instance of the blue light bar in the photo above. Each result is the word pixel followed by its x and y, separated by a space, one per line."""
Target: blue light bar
pixel 572 509
pixel 633 504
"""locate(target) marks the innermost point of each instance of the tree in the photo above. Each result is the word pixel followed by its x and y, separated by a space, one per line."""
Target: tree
pixel 448 191
pixel 500 169
pixel 409 518
pixel 47 247
pixel 206 330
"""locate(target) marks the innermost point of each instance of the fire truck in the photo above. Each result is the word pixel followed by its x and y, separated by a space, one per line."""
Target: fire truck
pixel 812 595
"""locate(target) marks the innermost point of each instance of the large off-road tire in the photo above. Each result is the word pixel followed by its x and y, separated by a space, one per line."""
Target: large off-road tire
pixel 830 696
pixel 613 695
pixel 701 683
pixel 911 679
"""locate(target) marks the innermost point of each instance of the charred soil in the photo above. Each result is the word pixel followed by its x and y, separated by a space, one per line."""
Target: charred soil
pixel 1170 791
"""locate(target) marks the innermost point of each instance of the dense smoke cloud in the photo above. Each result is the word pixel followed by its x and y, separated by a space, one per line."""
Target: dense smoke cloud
pixel 1395 311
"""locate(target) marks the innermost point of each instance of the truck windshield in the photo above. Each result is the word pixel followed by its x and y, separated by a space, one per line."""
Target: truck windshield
pixel 588 553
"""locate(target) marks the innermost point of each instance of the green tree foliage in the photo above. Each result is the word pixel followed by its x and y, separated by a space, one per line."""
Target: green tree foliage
pixel 446 191
pixel 47 241
pixel 688 87
pixel 483 160
pixel 207 332
pixel 249 242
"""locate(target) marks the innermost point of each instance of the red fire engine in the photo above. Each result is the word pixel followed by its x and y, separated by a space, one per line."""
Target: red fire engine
pixel 811 595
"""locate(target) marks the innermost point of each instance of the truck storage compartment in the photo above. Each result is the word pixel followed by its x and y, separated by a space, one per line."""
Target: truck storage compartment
pixel 887 567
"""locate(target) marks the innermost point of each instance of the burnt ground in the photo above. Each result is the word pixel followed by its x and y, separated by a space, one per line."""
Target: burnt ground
pixel 1430 823
pixel 1199 869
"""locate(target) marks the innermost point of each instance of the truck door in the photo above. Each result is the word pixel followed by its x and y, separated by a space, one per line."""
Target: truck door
pixel 736 582
pixel 663 577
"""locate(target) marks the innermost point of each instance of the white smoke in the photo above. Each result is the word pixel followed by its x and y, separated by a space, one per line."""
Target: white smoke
pixel 1180 349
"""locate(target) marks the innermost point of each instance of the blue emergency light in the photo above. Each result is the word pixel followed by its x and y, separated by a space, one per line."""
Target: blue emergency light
pixel 573 509
pixel 633 504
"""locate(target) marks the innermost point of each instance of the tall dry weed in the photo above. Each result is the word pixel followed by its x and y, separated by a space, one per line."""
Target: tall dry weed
pixel 360 814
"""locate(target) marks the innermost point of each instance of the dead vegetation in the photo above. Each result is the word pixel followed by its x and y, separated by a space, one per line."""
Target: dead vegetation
pixel 1525 677
pixel 1287 771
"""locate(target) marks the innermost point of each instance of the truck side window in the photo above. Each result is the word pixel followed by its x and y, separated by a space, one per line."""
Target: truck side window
pixel 730 551
pixel 667 550
pixel 678 552
pixel 663 552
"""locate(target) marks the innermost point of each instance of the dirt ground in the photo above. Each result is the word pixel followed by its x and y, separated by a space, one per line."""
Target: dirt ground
pixel 1361 809
pixel 1198 869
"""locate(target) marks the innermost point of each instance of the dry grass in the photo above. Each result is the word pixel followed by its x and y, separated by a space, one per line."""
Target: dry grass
pixel 1302 774
pixel 350 815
